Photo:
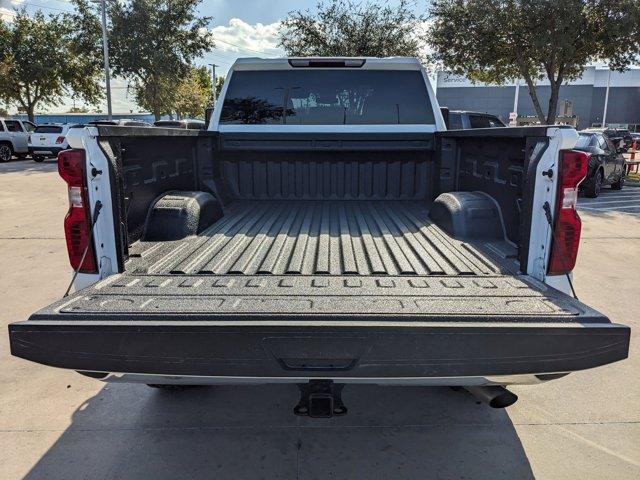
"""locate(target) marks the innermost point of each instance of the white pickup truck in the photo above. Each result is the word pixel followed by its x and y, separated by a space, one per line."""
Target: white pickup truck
pixel 327 229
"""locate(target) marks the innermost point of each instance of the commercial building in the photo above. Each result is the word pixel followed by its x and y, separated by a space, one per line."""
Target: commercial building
pixel 583 98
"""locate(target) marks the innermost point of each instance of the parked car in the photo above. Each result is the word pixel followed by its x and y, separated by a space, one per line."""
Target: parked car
pixel 121 122
pixel 464 120
pixel 624 134
pixel 187 123
pixel 324 244
pixel 621 138
pixel 606 162
pixel 14 138
pixel 49 140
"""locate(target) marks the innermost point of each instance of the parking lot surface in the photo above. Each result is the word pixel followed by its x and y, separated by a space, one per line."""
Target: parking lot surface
pixel 58 424
pixel 626 201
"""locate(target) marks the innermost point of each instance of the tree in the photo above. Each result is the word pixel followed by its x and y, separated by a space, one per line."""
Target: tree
pixel 78 110
pixel 152 43
pixel 219 85
pixel 497 41
pixel 43 59
pixel 347 28
pixel 193 94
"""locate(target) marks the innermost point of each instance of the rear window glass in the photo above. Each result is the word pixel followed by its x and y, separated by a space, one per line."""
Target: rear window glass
pixel 13 126
pixel 455 121
pixel 327 97
pixel 586 141
pixel 484 121
pixel 48 129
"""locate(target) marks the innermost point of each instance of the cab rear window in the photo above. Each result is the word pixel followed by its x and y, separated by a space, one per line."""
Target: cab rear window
pixel 327 97
pixel 48 129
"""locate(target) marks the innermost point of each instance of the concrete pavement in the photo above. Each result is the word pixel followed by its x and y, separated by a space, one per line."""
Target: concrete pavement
pixel 58 424
pixel 626 201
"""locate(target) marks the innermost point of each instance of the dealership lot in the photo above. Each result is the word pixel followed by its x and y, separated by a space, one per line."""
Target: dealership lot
pixel 57 424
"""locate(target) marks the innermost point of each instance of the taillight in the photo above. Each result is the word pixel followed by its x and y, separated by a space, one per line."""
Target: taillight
pixel 59 140
pixel 77 223
pixel 567 226
pixel 29 139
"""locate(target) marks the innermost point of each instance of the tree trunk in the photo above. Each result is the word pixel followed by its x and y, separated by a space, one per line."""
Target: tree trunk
pixel 30 113
pixel 156 111
pixel 553 100
pixel 553 104
pixel 534 98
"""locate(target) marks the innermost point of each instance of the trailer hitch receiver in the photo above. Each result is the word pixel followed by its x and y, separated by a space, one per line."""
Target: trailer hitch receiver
pixel 320 399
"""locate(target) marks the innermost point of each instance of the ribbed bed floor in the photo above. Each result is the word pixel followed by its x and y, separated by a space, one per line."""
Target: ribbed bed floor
pixel 316 238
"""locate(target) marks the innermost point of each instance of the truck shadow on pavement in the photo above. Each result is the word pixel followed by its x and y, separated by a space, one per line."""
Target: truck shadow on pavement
pixel 246 432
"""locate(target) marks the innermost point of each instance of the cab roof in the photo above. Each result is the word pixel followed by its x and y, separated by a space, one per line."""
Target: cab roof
pixel 361 63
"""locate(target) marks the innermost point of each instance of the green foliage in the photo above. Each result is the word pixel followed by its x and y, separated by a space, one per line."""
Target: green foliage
pixel 498 41
pixel 152 43
pixel 43 59
pixel 219 85
pixel 193 94
pixel 347 28
pixel 78 110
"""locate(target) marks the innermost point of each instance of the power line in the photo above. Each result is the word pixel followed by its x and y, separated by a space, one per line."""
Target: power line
pixel 240 47
pixel 37 5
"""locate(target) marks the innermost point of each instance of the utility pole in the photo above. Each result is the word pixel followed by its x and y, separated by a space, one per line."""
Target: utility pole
pixel 606 100
pixel 213 81
pixel 105 49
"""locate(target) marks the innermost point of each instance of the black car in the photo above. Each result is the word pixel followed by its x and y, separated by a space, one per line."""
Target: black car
pixel 621 137
pixel 464 120
pixel 606 163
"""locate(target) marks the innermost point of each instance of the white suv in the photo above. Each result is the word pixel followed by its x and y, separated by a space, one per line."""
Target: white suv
pixel 49 140
pixel 14 136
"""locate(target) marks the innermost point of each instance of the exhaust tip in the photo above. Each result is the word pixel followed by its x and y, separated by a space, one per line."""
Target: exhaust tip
pixel 504 400
pixel 495 396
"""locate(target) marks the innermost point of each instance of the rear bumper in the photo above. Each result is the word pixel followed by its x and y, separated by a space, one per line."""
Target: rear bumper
pixel 310 349
pixel 52 151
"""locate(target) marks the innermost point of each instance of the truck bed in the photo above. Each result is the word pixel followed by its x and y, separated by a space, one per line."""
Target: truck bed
pixel 382 260
pixel 317 238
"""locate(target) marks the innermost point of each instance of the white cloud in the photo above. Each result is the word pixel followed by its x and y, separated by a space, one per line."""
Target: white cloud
pixel 6 15
pixel 8 9
pixel 241 37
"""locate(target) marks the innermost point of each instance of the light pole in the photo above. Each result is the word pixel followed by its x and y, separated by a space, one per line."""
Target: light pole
pixel 105 51
pixel 514 120
pixel 213 81
pixel 606 100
